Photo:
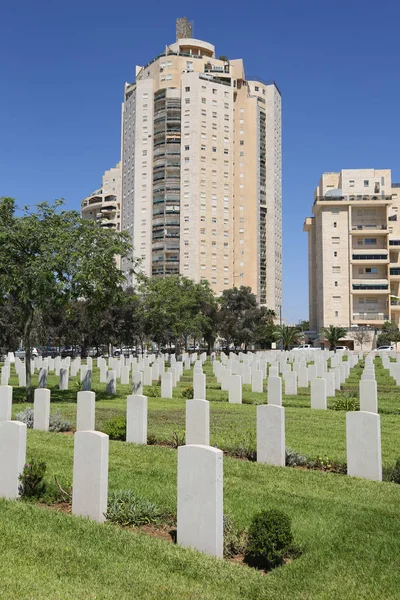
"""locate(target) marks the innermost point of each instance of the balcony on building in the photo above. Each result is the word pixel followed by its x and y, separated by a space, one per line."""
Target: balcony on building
pixel 365 286
pixel 335 197
pixel 370 318
pixel 394 303
pixel 395 273
pixel 369 256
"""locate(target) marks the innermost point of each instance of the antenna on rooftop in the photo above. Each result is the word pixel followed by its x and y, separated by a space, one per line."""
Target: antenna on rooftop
pixel 183 28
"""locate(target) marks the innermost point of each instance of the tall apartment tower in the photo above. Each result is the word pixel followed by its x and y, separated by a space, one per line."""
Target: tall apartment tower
pixel 201 170
pixel 353 250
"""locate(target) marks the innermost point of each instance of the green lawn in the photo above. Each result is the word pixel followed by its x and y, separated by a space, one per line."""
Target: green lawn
pixel 348 529
pixel 233 427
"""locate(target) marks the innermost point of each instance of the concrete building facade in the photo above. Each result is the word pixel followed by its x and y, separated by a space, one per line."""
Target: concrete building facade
pixel 201 170
pixel 353 250
pixel 104 204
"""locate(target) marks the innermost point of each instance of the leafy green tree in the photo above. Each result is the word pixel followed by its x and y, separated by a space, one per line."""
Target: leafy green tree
pixel 389 333
pixel 240 320
pixel 303 325
pixel 333 334
pixel 10 323
pixel 176 308
pixel 288 334
pixel 52 254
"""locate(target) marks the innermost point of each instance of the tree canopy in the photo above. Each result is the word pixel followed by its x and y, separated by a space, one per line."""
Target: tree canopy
pixel 51 255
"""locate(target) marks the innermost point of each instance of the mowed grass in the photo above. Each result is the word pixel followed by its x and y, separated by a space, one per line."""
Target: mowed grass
pixel 348 529
pixel 312 433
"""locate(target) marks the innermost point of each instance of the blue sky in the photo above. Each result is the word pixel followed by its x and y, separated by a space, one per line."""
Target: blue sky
pixel 63 68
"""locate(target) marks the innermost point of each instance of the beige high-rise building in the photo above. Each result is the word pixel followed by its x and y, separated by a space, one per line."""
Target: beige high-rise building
pixel 353 250
pixel 104 204
pixel 201 169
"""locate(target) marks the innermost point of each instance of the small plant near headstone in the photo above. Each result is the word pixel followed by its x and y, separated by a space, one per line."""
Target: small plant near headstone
pixel 152 391
pixel 56 422
pixel 324 463
pixel 26 416
pixel 115 428
pixel 396 472
pixel 32 484
pixel 270 539
pixel 295 459
pixel 178 438
pixel 188 392
pixel 234 539
pixel 347 402
pixel 127 509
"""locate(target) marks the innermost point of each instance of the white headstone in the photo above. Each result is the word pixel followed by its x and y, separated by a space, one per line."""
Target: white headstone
pixel 330 384
pixel 257 381
pixel 275 391
pixel 136 419
pixel 235 389
pixel 166 385
pixel 90 478
pixel 111 387
pixel 246 374
pixel 318 394
pixel 41 409
pixel 85 411
pixel 42 378
pixel 363 439
pixel 198 422
pixel 368 396
pixel 199 388
pixel 291 384
pixel 303 377
pixel 87 380
pixel 125 371
pixel 271 434
pixel 6 393
pixel 312 372
pixel 137 383
pixel 12 457
pixel 63 383
pixel 273 372
pixel 200 499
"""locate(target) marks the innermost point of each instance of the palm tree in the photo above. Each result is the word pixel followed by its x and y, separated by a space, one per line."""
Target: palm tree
pixel 333 334
pixel 287 334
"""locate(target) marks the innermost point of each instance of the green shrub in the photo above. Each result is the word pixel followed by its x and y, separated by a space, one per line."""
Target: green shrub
pixel 31 480
pixel 115 428
pixel 152 391
pixel 295 459
pixel 396 472
pixel 57 423
pixel 269 539
pixel 125 508
pixel 26 416
pixel 188 392
pixel 234 539
pixel 347 402
pixel 178 438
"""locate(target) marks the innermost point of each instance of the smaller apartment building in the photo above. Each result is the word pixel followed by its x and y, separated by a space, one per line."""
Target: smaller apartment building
pixel 353 251
pixel 104 204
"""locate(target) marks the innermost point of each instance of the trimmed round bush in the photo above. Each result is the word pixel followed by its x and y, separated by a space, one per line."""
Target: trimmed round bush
pixel 269 539
pixel 188 392
pixel 115 428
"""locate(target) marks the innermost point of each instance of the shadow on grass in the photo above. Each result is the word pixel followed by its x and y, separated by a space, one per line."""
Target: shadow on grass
pixel 56 395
